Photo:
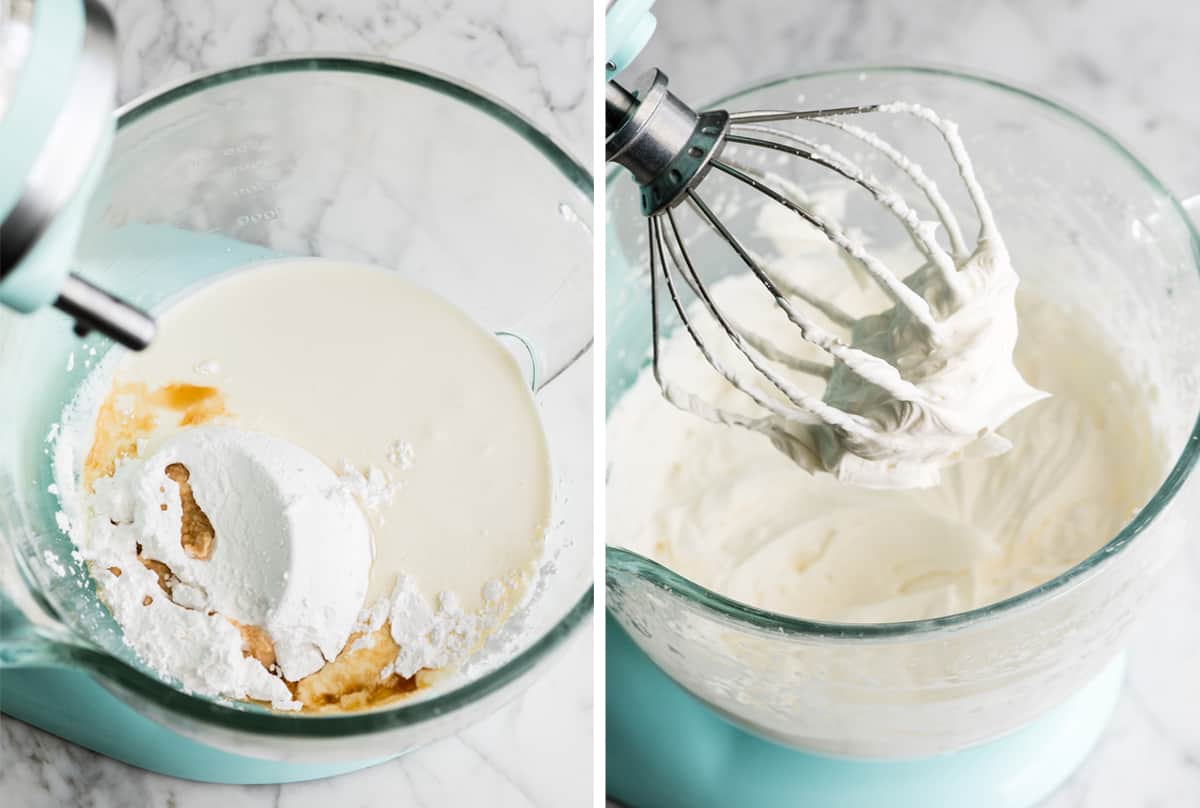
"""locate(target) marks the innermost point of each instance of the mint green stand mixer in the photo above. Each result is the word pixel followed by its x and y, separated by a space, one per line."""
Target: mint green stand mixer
pixel 711 702
pixel 308 156
pixel 57 89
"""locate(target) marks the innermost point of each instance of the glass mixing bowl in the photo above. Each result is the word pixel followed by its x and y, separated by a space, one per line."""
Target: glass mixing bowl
pixel 341 159
pixel 1088 225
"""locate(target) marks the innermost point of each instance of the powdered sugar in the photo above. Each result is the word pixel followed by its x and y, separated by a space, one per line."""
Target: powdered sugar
pixel 400 454
pixel 189 633
pixel 429 636
pixel 373 489
pixel 272 508
pixel 493 590
pixel 201 650
pixel 53 563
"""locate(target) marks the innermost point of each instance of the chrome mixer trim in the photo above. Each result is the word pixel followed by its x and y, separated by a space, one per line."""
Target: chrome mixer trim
pixel 777 115
pixel 665 144
pixel 71 144
pixel 93 308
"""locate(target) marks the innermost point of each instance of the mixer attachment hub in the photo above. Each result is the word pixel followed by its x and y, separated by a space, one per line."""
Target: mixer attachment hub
pixel 665 144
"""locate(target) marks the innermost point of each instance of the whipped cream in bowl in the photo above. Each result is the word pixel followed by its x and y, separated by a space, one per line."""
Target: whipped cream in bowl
pixel 893 622
pixel 916 500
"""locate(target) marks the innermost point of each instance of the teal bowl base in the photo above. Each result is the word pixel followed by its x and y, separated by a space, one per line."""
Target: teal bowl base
pixel 72 706
pixel 667 750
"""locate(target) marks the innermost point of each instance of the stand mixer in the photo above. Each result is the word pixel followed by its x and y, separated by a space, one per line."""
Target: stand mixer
pixel 336 158
pixel 57 87
pixel 711 701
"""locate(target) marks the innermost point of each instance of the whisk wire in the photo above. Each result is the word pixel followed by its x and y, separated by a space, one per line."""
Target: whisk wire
pixel 867 367
pixel 738 336
pixel 759 342
pixel 791 288
pixel 771 115
pixel 891 285
pixel 914 172
pixel 677 396
pixel 920 232
pixel 809 406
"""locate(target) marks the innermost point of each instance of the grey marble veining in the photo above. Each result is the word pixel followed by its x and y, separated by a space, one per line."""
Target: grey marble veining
pixel 535 57
pixel 1130 67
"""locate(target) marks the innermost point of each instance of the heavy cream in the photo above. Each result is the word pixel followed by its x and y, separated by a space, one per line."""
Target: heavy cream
pixel 330 477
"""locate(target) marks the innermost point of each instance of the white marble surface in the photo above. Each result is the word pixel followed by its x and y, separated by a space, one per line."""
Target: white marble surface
pixel 1133 67
pixel 536 56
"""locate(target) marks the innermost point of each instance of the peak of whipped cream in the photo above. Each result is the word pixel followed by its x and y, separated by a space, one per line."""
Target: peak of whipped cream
pixel 964 383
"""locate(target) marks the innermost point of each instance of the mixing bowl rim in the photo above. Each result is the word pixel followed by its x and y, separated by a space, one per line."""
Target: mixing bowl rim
pixel 621 560
pixel 418 75
pixel 403 714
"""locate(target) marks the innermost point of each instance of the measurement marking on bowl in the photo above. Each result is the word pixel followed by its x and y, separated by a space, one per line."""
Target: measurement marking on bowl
pixel 253 165
pixel 245 147
pixel 256 188
pixel 254 218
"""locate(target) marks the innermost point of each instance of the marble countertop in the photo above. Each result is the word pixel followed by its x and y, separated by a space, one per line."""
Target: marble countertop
pixel 1132 67
pixel 536 751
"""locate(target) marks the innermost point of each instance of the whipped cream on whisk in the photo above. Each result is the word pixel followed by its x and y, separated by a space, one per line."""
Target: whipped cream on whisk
pixel 964 385
pixel 963 376
pixel 915 387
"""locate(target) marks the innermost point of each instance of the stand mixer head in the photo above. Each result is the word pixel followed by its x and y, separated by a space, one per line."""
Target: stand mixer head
pixel 56 126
